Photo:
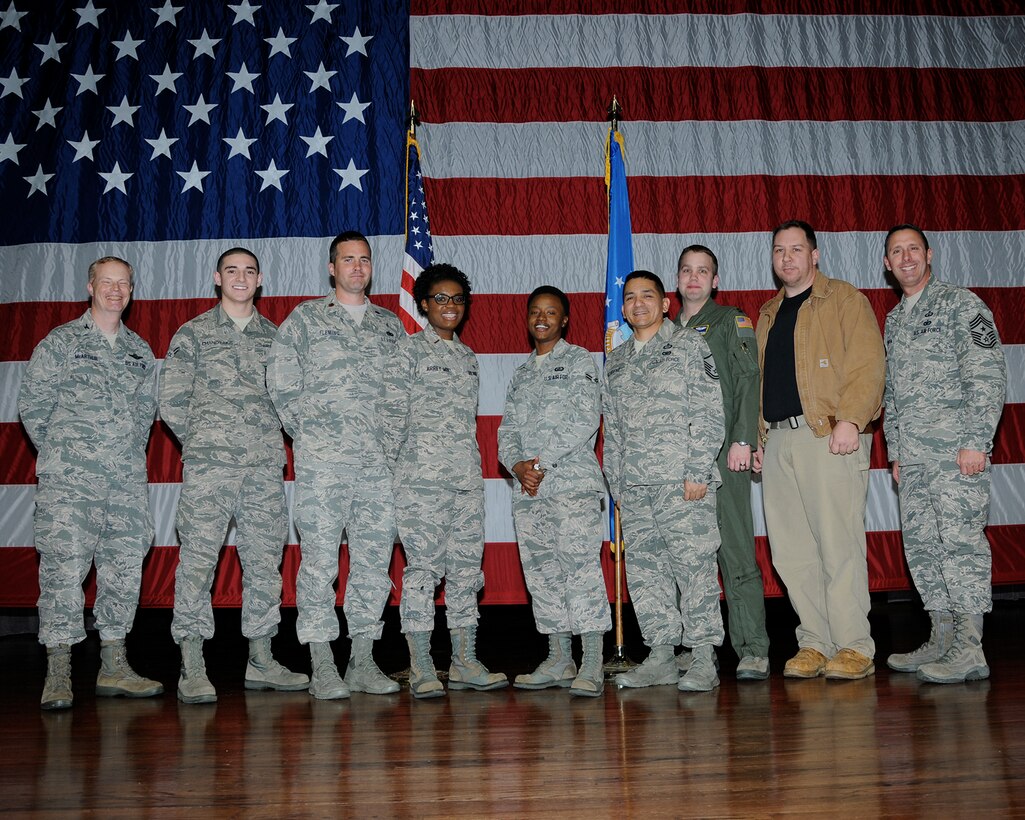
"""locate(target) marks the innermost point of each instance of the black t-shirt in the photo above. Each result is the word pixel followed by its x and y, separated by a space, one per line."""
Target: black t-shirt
pixel 780 397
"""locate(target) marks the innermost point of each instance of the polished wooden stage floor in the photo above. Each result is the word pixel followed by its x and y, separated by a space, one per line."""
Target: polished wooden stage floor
pixel 886 746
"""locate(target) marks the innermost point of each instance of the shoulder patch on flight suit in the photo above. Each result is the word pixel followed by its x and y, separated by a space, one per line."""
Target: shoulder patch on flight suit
pixel 745 327
pixel 710 370
pixel 702 329
pixel 983 333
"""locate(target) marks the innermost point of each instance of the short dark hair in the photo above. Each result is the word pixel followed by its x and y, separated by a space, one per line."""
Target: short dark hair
pixel 907 226
pixel 549 290
pixel 230 251
pixel 433 274
pixel 646 274
pixel 699 249
pixel 347 236
pixel 103 260
pixel 809 231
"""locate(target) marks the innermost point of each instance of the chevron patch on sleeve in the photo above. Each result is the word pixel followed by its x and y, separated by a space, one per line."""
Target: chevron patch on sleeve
pixel 983 332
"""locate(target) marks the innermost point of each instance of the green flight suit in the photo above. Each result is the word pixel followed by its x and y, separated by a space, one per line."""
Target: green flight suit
pixel 731 338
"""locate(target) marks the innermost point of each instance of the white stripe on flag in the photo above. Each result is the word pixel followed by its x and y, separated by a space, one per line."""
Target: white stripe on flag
pixel 503 264
pixel 1008 507
pixel 747 147
pixel 716 40
pixel 496 371
pixel 407 304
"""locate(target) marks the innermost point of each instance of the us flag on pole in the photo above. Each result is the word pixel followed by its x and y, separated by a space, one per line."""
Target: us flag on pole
pixel 419 246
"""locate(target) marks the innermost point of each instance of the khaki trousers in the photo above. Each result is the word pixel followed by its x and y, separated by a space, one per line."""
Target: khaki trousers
pixel 815 517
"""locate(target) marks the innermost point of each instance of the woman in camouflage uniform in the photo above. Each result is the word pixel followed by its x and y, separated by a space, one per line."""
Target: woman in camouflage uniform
pixel 439 489
pixel 546 440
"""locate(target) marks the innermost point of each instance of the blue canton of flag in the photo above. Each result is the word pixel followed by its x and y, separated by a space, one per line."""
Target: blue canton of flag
pixel 620 260
pixel 419 245
pixel 157 122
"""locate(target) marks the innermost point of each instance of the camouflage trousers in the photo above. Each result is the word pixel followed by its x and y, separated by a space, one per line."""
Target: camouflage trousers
pixel 670 546
pixel 741 576
pixel 211 496
pixel 442 532
pixel 943 514
pixel 560 542
pixel 82 518
pixel 329 500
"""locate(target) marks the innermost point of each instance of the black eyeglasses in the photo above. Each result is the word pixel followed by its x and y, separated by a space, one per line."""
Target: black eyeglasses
pixel 444 298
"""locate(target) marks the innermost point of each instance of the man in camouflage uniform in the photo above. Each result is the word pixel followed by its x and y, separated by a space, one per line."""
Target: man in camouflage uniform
pixel 213 395
pixel 326 378
pixel 945 384
pixel 439 488
pixel 87 401
pixel 664 427
pixel 546 440
pixel 730 336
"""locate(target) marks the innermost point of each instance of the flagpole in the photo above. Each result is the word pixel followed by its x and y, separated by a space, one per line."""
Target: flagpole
pixel 619 662
pixel 413 263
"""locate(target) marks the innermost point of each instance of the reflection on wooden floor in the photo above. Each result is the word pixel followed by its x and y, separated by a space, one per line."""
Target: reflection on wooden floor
pixel 885 746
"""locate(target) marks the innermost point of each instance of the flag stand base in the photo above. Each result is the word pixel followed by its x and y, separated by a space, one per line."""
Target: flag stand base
pixel 619 662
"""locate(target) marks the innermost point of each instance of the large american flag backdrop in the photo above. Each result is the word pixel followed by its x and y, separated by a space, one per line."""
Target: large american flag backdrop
pixel 165 132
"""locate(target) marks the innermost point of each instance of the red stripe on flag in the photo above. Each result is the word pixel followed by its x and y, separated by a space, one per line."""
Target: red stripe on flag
pixel 496 322
pixel 156 320
pixel 721 94
pixel 671 205
pixel 408 322
pixel 163 458
pixel 503 576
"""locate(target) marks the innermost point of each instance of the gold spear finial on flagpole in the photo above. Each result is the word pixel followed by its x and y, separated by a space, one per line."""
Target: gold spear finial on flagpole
pixel 414 119
pixel 614 113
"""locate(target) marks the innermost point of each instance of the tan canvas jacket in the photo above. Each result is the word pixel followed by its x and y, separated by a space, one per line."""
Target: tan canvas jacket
pixel 838 350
